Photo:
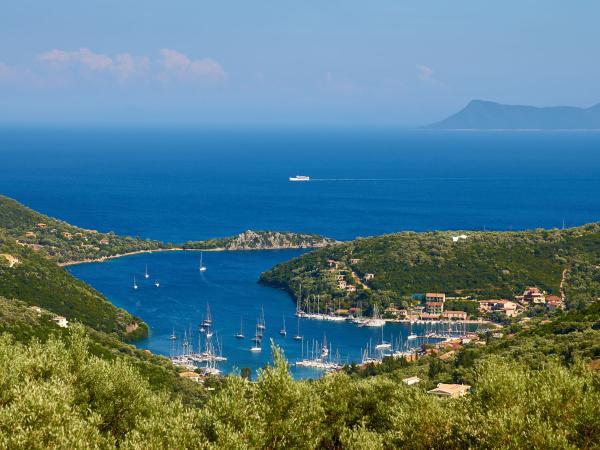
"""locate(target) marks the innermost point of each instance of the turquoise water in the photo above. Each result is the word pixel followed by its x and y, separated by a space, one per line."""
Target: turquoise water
pixel 181 184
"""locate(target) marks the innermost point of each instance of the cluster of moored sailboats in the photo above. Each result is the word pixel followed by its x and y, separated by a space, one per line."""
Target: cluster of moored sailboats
pixel 259 332
pixel 310 308
pixel 207 353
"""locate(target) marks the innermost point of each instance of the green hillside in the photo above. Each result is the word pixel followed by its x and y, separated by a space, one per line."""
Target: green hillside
pixel 29 276
pixel 61 241
pixel 484 265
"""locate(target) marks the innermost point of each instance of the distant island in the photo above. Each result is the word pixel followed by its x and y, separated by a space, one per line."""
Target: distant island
pixel 486 115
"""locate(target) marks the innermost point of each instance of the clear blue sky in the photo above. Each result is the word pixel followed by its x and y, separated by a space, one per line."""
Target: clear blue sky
pixel 291 62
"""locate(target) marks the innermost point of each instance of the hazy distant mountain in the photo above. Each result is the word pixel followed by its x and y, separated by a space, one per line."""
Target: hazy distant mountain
pixel 484 115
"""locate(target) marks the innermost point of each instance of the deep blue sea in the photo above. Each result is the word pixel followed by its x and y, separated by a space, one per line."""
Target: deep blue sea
pixel 180 184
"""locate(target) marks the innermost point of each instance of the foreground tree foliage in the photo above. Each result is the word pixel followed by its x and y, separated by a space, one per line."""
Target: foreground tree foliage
pixel 58 395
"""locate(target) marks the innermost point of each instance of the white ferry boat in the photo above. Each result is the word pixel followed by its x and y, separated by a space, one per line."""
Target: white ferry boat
pixel 300 178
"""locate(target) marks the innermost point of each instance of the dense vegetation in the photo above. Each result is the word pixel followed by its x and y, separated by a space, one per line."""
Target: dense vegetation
pixel 484 265
pixel 58 394
pixel 25 324
pixel 38 281
pixel 61 241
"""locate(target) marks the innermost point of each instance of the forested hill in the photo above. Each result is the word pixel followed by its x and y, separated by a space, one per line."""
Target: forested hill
pixel 482 265
pixel 61 241
pixel 28 276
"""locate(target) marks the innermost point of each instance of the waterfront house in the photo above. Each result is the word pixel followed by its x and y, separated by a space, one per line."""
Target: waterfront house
pixel 434 308
pixel 369 276
pixel 450 390
pixel 332 263
pixel 411 380
pixel 41 225
pixel 459 237
pixel 104 241
pixel 61 321
pixel 392 310
pixel 435 297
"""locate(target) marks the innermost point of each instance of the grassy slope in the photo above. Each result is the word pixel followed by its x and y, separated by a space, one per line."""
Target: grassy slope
pixel 486 264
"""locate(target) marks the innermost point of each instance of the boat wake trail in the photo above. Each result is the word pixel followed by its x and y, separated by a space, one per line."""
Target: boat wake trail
pixel 360 179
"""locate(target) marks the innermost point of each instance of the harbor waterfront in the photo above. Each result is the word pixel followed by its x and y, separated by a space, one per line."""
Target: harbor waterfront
pixel 229 288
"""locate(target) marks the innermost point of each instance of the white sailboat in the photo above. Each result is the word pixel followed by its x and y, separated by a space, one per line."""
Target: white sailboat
pixel 383 345
pixel 283 331
pixel 146 274
pixel 411 336
pixel 261 321
pixel 202 267
pixel 240 335
pixel 257 343
pixel 157 283
pixel 135 286
pixel 173 336
pixel 297 336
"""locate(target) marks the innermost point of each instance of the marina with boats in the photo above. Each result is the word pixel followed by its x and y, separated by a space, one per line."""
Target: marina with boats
pixel 220 320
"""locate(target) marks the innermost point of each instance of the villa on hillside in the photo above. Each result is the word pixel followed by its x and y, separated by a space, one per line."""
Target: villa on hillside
pixel 510 308
pixel 61 321
pixel 450 390
pixel 532 295
pixel 369 276
pixel 411 380
pixel 192 376
pixel 554 302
